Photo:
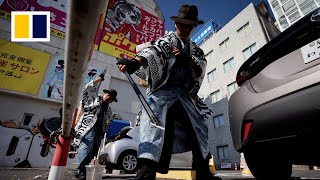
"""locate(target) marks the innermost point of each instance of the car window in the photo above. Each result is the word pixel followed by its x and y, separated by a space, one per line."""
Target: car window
pixel 134 133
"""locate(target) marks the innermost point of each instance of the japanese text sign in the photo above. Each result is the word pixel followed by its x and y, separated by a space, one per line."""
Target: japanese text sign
pixel 205 31
pixel 126 26
pixel 21 68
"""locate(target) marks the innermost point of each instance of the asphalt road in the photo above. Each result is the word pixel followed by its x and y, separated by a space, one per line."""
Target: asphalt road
pixel 42 174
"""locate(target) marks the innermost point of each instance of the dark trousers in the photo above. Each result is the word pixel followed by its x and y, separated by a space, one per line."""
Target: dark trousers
pixel 178 113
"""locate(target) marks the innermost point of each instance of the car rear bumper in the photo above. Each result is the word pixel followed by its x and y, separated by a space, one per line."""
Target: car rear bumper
pixel 270 111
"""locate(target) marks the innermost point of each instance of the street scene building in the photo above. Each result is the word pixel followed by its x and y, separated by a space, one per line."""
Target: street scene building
pixel 24 105
pixel 287 12
pixel 225 51
pixel 31 83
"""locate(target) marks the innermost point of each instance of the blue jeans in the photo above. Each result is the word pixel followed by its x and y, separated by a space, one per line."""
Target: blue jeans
pixel 152 138
pixel 88 148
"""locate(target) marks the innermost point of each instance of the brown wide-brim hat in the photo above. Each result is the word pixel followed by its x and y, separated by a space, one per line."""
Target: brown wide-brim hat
pixel 187 15
pixel 113 93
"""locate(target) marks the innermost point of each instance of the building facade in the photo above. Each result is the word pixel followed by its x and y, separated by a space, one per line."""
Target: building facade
pixel 225 52
pixel 287 12
pixel 23 106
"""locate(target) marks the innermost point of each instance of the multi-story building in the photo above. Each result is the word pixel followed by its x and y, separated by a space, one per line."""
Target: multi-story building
pixel 225 51
pixel 287 12
pixel 31 82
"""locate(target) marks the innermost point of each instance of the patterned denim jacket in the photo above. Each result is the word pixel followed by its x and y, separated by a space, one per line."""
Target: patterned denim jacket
pixel 90 107
pixel 160 61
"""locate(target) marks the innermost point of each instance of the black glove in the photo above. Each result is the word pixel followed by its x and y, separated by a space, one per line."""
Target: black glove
pixel 132 65
pixel 103 74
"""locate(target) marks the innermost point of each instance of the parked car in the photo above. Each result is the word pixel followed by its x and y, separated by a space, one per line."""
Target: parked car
pixel 121 153
pixel 275 114
pixel 115 126
pixel 313 167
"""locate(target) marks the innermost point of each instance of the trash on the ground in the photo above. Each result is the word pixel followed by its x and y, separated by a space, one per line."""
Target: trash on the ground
pixel 38 176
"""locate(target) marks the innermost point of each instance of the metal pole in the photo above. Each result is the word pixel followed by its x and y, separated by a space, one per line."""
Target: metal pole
pixel 154 119
pixel 82 23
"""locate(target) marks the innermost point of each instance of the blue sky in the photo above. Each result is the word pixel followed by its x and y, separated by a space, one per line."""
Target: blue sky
pixel 221 11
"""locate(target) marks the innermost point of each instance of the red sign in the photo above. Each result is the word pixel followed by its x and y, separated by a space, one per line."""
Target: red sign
pixel 126 26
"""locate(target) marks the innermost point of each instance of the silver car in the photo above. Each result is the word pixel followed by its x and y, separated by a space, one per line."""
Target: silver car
pixel 275 114
pixel 121 153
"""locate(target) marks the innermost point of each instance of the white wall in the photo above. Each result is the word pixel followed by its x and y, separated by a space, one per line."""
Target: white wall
pixel 238 44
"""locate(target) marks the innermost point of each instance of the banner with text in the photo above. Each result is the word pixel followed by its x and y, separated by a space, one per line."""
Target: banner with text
pixel 126 26
pixel 21 68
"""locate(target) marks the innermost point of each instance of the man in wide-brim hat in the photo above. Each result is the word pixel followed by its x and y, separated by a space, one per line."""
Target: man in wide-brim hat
pixel 93 119
pixel 174 67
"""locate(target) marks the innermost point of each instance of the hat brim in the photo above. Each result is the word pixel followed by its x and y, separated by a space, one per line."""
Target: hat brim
pixel 114 98
pixel 186 21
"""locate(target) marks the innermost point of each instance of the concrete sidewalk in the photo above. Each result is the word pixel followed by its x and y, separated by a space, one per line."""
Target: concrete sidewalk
pixel 42 174
pixel 31 173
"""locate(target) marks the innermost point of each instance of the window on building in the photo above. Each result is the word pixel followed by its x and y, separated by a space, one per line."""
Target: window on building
pixel 283 1
pixel 284 23
pixel 306 6
pixel 290 8
pixel 228 65
pixel 245 29
pixel 232 88
pixel 225 44
pixel 279 14
pixel 223 152
pixel 294 16
pixel 249 51
pixel 212 75
pixel 209 55
pixel 215 96
pixel 218 121
pixel 210 52
pixel 27 119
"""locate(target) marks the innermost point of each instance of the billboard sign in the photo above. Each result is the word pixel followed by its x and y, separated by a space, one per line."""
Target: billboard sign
pixel 205 31
pixel 21 68
pixel 126 26
pixel 54 83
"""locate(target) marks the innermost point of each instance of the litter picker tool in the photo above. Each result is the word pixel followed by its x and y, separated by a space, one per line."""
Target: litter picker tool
pixel 154 119
pixel 83 18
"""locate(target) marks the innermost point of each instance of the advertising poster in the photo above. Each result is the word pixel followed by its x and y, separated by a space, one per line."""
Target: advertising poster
pixel 21 68
pixel 54 83
pixel 205 31
pixel 126 26
pixel 57 10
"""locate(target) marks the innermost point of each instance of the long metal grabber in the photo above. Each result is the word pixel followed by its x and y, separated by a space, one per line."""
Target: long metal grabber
pixel 154 119
pixel 82 23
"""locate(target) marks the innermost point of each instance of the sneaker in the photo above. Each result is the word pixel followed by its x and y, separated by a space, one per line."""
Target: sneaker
pixel 147 171
pixel 81 175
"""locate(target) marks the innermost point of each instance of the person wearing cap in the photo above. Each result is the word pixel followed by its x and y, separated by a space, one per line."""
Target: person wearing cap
pixel 174 67
pixel 95 117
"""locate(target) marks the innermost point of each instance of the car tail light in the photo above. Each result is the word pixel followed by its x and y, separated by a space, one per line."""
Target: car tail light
pixel 246 130
pixel 242 77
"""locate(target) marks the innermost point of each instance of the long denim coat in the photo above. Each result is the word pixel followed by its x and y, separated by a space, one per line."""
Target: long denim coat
pixel 156 70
